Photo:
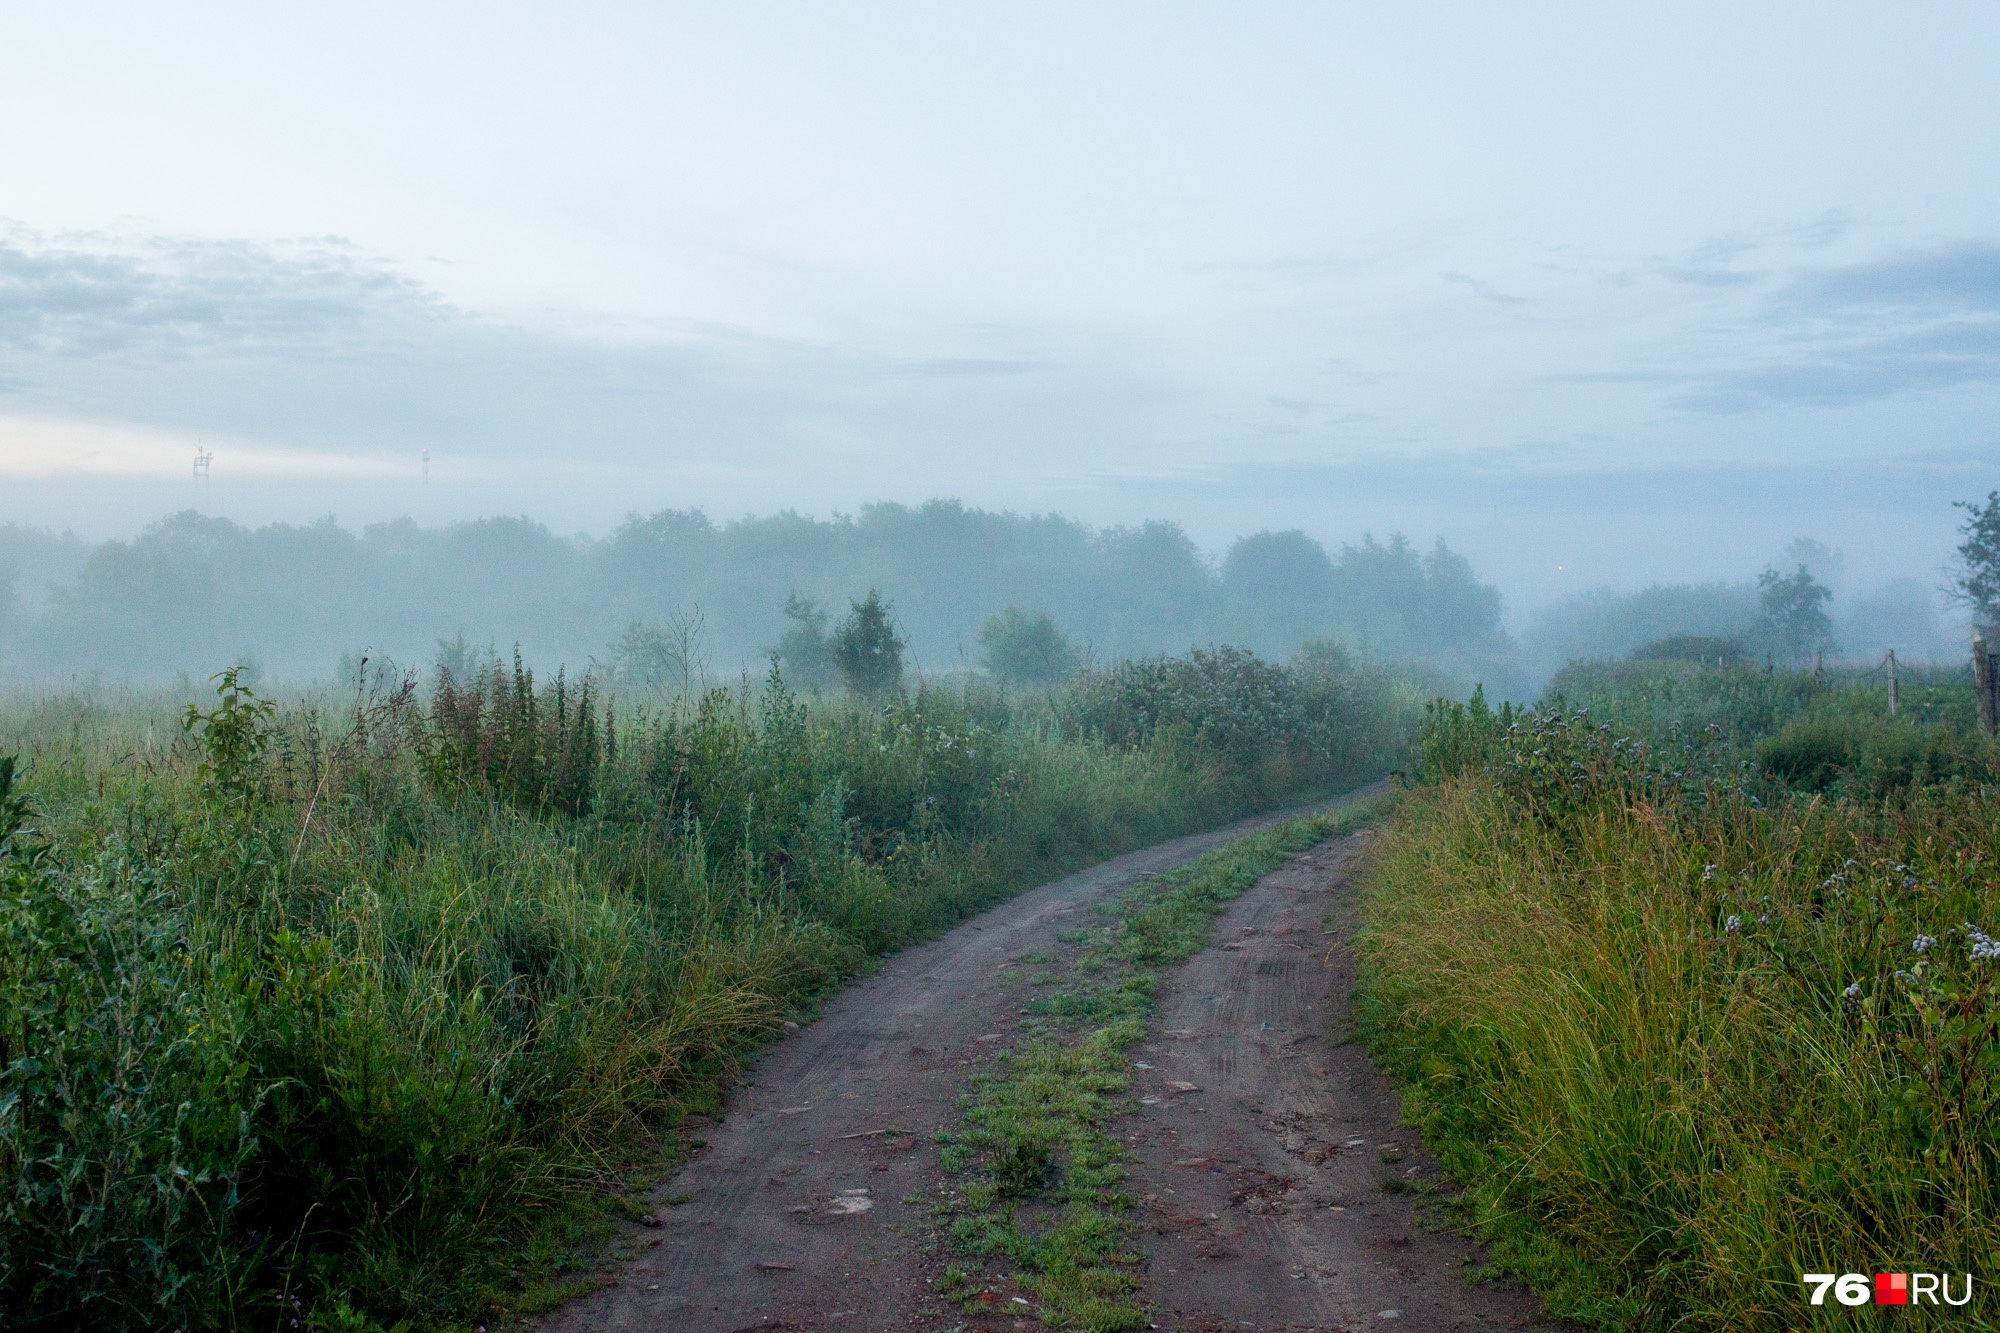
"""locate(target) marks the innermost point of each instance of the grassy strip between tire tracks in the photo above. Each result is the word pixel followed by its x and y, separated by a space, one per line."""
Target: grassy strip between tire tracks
pixel 1041 1172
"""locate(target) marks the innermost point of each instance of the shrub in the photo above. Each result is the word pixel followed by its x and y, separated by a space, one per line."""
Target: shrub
pixel 1810 754
pixel 1459 737
pixel 1027 651
pixel 126 1101
pixel 1702 650
pixel 803 650
pixel 868 650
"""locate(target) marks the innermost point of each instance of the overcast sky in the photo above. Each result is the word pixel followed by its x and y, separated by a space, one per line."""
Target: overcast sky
pixel 1596 293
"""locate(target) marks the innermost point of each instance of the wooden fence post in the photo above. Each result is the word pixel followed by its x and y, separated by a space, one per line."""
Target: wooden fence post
pixel 1992 693
pixel 1893 693
pixel 1982 684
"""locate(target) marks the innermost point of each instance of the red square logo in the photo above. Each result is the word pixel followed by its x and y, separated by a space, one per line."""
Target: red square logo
pixel 1892 1288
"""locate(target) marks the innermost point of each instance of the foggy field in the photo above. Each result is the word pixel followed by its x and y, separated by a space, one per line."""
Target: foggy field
pixel 940 668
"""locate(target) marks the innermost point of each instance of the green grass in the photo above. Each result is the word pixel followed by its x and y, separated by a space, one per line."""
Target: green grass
pixel 375 1006
pixel 1040 1164
pixel 1680 1026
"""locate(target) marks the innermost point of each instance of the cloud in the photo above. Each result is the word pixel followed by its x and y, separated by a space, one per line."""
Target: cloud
pixel 971 365
pixel 1710 276
pixel 83 296
pixel 313 349
pixel 1482 290
pixel 1905 322
pixel 1822 231
pixel 1963 278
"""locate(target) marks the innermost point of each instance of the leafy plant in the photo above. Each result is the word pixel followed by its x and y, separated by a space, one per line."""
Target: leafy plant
pixel 868 650
pixel 803 650
pixel 126 1104
pixel 1027 650
pixel 497 734
pixel 233 736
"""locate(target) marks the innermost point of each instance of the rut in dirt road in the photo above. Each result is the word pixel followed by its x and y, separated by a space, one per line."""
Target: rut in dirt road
pixel 1262 1200
pixel 1282 1194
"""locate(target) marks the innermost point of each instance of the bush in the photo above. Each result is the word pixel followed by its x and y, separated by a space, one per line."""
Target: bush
pixel 802 650
pixel 1027 651
pixel 868 650
pixel 1699 649
pixel 1311 721
pixel 1459 737
pixel 126 1101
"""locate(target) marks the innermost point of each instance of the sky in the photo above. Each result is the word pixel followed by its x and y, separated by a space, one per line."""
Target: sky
pixel 1600 295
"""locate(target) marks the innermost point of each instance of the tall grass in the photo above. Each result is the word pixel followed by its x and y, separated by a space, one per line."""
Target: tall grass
pixel 1689 1032
pixel 340 1011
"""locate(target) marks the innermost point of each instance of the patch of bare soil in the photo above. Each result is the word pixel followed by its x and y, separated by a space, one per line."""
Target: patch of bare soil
pixel 1266 1145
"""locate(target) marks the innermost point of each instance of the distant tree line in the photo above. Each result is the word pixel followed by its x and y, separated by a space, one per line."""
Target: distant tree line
pixel 1796 612
pixel 675 596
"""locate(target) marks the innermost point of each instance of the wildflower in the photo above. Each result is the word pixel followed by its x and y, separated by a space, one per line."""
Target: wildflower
pixel 1850 999
pixel 1708 873
pixel 1922 944
pixel 1984 947
pixel 1909 881
pixel 1732 925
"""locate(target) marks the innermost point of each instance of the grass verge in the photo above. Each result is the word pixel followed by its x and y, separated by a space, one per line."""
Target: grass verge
pixel 1686 1036
pixel 1042 1201
pixel 372 1003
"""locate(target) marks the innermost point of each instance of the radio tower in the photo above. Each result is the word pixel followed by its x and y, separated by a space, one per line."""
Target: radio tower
pixel 427 467
pixel 202 458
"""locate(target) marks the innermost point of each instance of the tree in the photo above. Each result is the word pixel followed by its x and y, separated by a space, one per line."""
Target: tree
pixel 868 650
pixel 1026 651
pixel 9 610
pixel 803 653
pixel 642 656
pixel 1978 582
pixel 1791 616
pixel 662 657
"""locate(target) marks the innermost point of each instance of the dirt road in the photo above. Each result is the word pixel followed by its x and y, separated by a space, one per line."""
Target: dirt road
pixel 1271 1199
